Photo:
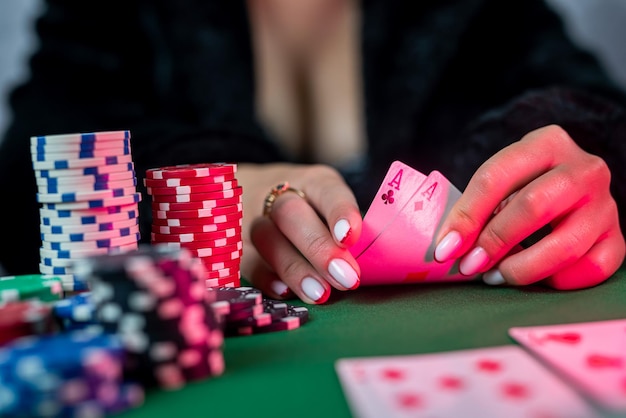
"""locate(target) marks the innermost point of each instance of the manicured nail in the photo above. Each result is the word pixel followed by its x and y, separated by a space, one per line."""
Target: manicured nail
pixel 312 288
pixel 448 245
pixel 473 262
pixel 279 287
pixel 343 272
pixel 342 230
pixel 493 277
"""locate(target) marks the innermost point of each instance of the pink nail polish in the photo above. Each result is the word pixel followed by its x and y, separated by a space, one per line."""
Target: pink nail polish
pixel 448 246
pixel 473 262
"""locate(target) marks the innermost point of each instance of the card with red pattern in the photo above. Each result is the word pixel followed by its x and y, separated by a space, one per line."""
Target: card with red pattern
pixel 491 382
pixel 590 355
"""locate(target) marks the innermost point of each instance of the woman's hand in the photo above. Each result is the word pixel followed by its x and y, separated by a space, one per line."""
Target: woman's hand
pixel 545 178
pixel 301 245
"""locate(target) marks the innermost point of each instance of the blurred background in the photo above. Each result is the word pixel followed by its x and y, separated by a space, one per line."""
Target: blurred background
pixel 596 24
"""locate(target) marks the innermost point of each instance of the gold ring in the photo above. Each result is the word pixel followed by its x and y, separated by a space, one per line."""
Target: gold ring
pixel 277 191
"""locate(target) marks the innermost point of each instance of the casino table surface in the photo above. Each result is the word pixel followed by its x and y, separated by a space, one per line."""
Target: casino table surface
pixel 291 373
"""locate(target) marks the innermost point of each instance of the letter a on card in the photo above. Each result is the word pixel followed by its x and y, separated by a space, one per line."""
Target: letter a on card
pixel 399 185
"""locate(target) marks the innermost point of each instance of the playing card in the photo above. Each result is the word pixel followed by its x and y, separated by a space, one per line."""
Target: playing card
pixel 492 382
pixel 398 186
pixel 592 355
pixel 404 251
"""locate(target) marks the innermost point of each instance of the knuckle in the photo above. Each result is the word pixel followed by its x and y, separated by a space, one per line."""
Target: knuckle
pixel 466 219
pixel 598 170
pixel 534 203
pixel 493 238
pixel 488 177
pixel 289 269
pixel 316 244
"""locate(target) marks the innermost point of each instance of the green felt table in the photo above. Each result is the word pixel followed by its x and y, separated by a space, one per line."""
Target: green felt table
pixel 291 373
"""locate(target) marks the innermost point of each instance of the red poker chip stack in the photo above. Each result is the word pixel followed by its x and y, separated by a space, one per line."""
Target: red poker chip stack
pixel 199 207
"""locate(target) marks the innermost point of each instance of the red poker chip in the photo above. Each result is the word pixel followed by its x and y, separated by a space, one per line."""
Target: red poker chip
pixel 209 214
pixel 219 258
pixel 197 197
pixel 194 229
pixel 208 252
pixel 228 281
pixel 197 236
pixel 189 181
pixel 222 242
pixel 223 273
pixel 193 189
pixel 179 219
pixel 202 204
pixel 182 221
pixel 220 265
pixel 191 170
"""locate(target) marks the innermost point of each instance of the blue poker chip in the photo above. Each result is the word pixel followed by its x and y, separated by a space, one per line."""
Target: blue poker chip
pixel 72 156
pixel 85 196
pixel 96 203
pixel 90 236
pixel 78 308
pixel 82 163
pixel 86 171
pixel 83 179
pixel 98 227
pixel 88 219
pixel 57 189
pixel 75 254
pixel 95 244
pixel 78 146
pixel 43 269
pixel 80 138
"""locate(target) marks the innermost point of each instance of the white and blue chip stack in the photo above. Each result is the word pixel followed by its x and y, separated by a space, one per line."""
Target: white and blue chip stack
pixel 86 186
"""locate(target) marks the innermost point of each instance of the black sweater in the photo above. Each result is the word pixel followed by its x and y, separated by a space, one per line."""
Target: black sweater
pixel 447 84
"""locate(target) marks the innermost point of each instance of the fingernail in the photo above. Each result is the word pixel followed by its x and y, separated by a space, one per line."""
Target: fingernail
pixel 342 230
pixel 279 287
pixel 343 272
pixel 312 288
pixel 448 245
pixel 473 262
pixel 493 277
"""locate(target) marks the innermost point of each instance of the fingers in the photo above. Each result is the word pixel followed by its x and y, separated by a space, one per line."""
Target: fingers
pixel 302 226
pixel 302 243
pixel 284 264
pixel 503 174
pixel 335 202
pixel 573 239
pixel 544 179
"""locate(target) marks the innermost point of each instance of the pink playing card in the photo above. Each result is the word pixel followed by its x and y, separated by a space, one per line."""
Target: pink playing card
pixel 404 251
pixel 400 183
pixel 500 382
pixel 592 355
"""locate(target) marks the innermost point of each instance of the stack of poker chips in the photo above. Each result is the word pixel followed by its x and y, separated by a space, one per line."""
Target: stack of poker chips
pixel 244 311
pixel 89 202
pixel 199 207
pixel 74 374
pixel 154 300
